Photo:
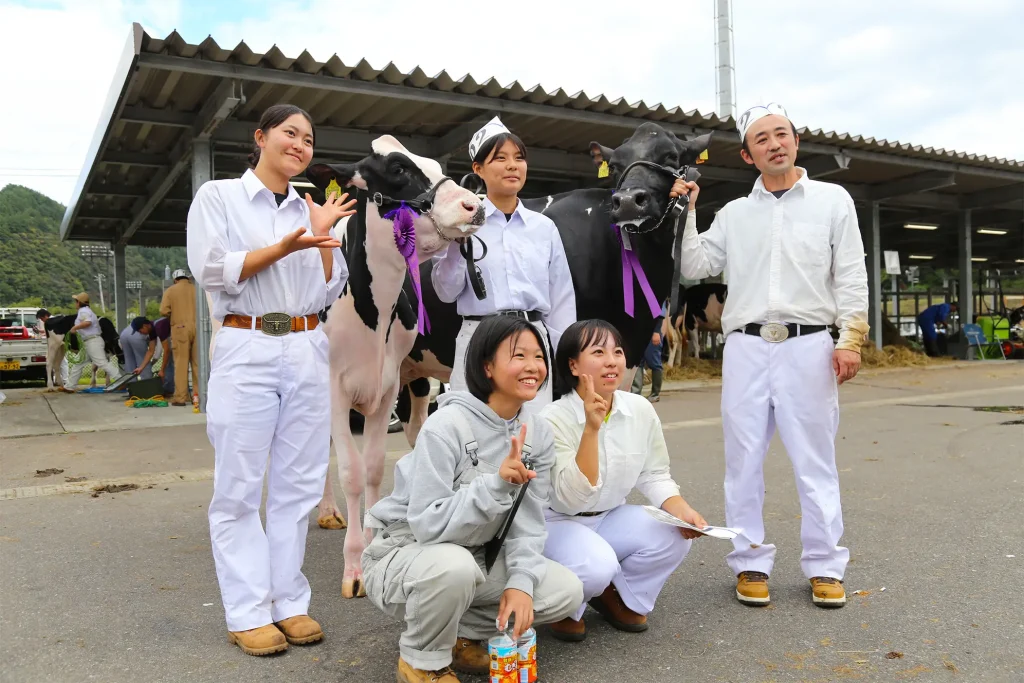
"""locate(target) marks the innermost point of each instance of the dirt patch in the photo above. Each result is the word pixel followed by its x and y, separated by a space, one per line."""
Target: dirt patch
pixel 113 488
pixel 72 480
pixel 48 472
pixel 1014 410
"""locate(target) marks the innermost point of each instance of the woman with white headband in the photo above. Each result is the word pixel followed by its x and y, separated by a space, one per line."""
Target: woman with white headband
pixel 519 266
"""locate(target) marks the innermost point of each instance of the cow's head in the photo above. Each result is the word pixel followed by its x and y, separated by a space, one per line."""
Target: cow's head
pixel 395 173
pixel 641 197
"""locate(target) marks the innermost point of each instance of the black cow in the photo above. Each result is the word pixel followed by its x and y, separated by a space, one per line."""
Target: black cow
pixel 699 310
pixel 584 219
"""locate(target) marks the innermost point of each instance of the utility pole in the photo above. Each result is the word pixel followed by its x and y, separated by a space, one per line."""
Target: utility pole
pixel 725 60
pixel 99 282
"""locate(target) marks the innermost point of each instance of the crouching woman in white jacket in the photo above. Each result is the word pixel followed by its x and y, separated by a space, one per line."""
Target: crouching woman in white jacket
pixel 607 443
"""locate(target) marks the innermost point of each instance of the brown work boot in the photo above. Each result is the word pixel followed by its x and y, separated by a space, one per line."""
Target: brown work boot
pixel 827 592
pixel 569 630
pixel 752 588
pixel 609 604
pixel 300 630
pixel 470 657
pixel 264 640
pixel 407 674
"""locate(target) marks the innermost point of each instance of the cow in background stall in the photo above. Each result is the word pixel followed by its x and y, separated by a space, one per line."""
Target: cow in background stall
pixel 699 312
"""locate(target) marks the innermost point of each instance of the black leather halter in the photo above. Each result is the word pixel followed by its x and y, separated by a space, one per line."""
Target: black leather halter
pixel 683 172
pixel 422 204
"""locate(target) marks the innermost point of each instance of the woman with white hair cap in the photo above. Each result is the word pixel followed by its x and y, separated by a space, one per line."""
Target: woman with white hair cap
pixel 87 325
pixel 520 267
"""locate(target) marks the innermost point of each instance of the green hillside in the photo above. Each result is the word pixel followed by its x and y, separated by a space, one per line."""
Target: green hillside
pixel 36 268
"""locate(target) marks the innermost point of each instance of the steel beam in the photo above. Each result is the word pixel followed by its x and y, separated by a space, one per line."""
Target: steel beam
pixel 1007 194
pixel 134 159
pixel 915 184
pixel 870 219
pixel 120 291
pixel 160 117
pixel 827 165
pixel 459 137
pixel 218 107
pixel 202 171
pixel 966 298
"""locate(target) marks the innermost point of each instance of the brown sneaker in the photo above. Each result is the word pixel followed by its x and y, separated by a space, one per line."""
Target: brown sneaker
pixel 752 588
pixel 609 604
pixel 264 640
pixel 300 630
pixel 569 630
pixel 407 674
pixel 470 657
pixel 827 592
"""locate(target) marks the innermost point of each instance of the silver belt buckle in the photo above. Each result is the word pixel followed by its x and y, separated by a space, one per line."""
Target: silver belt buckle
pixel 774 332
pixel 276 324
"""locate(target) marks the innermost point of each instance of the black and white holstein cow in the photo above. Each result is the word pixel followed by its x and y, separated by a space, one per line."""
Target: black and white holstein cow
pixel 407 211
pixel 699 311
pixel 595 253
pixel 57 327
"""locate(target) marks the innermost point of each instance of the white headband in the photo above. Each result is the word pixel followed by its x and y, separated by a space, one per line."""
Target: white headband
pixel 493 128
pixel 747 118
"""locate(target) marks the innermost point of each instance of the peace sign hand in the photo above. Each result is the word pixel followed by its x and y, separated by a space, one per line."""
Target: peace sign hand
pixel 595 407
pixel 512 468
pixel 323 218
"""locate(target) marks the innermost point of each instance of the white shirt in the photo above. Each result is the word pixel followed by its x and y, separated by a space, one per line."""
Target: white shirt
pixel 230 218
pixel 795 259
pixel 524 270
pixel 85 314
pixel 631 454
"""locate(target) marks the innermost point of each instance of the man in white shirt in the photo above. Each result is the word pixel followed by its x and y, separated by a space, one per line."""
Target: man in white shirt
pixel 87 325
pixel 794 260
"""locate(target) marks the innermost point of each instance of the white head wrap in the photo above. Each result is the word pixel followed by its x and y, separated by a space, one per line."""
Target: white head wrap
pixel 493 128
pixel 747 118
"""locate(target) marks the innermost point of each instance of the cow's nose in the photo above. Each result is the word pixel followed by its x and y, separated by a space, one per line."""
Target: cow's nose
pixel 627 204
pixel 469 206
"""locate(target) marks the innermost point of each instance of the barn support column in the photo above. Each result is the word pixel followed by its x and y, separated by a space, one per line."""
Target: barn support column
pixel 202 171
pixel 871 219
pixel 120 291
pixel 966 299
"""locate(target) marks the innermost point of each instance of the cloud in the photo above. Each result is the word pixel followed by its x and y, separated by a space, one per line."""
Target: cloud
pixel 920 71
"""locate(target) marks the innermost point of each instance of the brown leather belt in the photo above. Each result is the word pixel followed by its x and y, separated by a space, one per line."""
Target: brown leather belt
pixel 274 324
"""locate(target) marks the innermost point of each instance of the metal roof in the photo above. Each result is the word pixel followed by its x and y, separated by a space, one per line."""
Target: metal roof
pixel 167 92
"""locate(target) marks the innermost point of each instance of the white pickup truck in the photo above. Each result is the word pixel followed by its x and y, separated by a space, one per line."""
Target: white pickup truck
pixel 22 348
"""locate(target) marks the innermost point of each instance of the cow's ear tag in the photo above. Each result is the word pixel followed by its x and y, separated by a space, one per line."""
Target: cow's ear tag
pixel 703 157
pixel 332 188
pixel 602 170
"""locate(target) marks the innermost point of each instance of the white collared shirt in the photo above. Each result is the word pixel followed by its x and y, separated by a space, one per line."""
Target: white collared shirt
pixel 631 454
pixel 525 269
pixel 230 218
pixel 86 314
pixel 794 259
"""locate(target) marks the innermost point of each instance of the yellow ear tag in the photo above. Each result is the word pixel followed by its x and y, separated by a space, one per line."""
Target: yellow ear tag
pixel 602 170
pixel 703 157
pixel 332 188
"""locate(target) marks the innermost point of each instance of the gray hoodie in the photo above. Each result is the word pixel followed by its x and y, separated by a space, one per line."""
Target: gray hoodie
pixel 470 509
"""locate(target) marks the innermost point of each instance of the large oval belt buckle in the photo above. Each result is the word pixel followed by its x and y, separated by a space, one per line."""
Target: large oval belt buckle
pixel 276 324
pixel 774 332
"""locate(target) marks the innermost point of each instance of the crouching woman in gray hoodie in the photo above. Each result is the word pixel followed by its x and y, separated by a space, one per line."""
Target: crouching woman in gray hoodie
pixel 452 494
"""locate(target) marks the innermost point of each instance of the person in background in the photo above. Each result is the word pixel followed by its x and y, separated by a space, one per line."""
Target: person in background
pixel 179 304
pixel 162 329
pixel 138 341
pixel 87 325
pixel 652 360
pixel 937 314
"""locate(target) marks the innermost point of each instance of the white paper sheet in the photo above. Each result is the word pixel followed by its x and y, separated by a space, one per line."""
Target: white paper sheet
pixel 725 533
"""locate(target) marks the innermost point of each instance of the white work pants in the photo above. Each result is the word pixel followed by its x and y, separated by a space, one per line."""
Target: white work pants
pixel 458 377
pixel 96 355
pixel 268 396
pixel 790 385
pixel 625 546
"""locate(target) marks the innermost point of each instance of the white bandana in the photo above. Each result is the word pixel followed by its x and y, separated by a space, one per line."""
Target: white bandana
pixel 747 118
pixel 493 128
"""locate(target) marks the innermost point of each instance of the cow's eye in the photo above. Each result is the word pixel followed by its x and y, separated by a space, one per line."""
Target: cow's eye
pixel 398 169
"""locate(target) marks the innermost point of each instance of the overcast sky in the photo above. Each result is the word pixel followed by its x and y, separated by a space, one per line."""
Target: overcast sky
pixel 936 73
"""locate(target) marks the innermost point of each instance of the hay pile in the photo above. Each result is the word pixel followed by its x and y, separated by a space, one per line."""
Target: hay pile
pixel 895 357
pixel 693 369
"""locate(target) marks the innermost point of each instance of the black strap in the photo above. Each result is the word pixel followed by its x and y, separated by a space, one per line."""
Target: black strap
pixel 476 277
pixel 532 316
pixel 794 329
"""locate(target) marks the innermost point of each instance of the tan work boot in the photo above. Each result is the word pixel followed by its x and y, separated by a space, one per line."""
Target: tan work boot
pixel 407 674
pixel 609 604
pixel 827 592
pixel 470 657
pixel 569 630
pixel 752 588
pixel 264 640
pixel 300 630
